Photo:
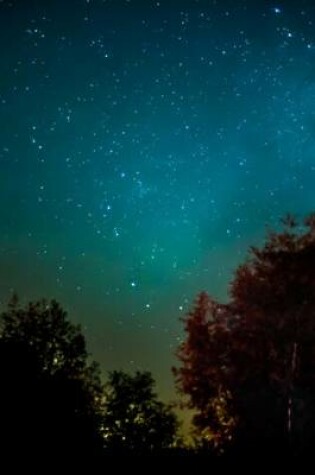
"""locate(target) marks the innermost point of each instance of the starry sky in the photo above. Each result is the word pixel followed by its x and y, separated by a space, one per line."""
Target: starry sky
pixel 144 146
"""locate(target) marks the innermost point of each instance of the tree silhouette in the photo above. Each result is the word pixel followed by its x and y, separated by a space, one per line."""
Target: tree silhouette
pixel 135 421
pixel 248 366
pixel 202 376
pixel 50 399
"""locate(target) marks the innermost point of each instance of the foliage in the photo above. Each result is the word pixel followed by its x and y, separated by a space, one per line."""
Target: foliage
pixel 256 354
pixel 51 394
pixel 134 420
pixel 202 376
pixel 58 344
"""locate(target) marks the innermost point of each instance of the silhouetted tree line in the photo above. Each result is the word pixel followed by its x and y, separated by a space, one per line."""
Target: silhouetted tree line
pixel 247 372
pixel 53 404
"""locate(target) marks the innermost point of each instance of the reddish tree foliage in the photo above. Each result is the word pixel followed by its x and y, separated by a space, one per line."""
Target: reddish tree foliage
pixel 203 373
pixel 248 367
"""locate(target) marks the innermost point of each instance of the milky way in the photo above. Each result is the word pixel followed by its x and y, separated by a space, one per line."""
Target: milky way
pixel 144 146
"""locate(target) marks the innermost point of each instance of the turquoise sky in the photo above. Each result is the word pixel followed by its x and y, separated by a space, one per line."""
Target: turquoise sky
pixel 144 146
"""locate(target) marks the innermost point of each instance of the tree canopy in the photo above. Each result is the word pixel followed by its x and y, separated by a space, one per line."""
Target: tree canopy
pixel 248 366
pixel 51 394
pixel 134 419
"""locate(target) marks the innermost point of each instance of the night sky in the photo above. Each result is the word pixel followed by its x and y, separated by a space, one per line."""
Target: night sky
pixel 144 146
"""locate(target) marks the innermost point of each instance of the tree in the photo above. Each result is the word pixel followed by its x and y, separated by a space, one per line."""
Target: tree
pixel 248 366
pixel 50 400
pixel 135 421
pixel 202 377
